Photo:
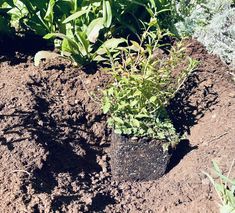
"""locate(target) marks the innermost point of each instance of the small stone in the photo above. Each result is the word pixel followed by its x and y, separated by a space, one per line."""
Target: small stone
pixel 104 157
pixel 40 123
pixel 97 175
pixel 231 94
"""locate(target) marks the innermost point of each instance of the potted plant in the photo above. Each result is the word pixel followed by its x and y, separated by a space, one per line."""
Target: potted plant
pixel 136 102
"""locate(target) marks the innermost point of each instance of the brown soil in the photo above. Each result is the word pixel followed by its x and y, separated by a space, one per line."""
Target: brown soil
pixel 54 143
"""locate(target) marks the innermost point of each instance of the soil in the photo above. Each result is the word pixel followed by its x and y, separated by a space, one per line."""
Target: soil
pixel 54 142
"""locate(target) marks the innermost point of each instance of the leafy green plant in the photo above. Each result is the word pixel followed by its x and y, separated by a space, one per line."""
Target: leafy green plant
pixel 79 28
pixel 5 28
pixel 225 188
pixel 80 39
pixel 37 16
pixel 97 21
pixel 143 86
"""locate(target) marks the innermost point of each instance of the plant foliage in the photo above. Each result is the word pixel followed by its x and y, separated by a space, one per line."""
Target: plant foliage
pixel 79 28
pixel 212 23
pixel 225 189
pixel 143 86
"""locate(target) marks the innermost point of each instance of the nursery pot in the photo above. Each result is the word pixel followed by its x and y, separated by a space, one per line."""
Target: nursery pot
pixel 135 159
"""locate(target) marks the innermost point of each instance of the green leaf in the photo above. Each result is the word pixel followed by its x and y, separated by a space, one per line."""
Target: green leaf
pixel 216 167
pixel 73 46
pixel 50 13
pixel 133 103
pixel 93 29
pixel 118 131
pixel 136 47
pixel 107 13
pixel 84 42
pixel 153 99
pixel 118 120
pixel 75 15
pixel 135 123
pixel 109 45
pixel 106 105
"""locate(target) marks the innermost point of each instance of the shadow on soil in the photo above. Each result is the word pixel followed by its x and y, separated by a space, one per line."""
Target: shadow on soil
pixel 185 111
pixel 69 147
pixel 16 49
pixel 100 201
pixel 182 149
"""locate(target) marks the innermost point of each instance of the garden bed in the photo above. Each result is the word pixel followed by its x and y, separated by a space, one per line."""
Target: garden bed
pixel 55 144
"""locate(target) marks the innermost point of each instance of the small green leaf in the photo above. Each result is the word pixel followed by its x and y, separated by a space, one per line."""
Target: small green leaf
pixel 153 99
pixel 106 105
pixel 118 120
pixel 50 13
pixel 133 103
pixel 135 123
pixel 216 167
pixel 118 131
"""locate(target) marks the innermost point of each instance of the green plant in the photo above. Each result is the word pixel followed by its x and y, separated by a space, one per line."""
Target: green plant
pixel 94 22
pixel 82 29
pixel 37 16
pixel 143 86
pixel 225 188
pixel 79 28
pixel 5 28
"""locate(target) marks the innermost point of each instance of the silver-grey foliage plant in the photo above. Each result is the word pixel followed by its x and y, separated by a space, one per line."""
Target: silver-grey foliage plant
pixel 212 22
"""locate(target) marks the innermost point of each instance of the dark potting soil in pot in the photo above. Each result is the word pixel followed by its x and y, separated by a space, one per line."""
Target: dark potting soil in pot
pixel 137 159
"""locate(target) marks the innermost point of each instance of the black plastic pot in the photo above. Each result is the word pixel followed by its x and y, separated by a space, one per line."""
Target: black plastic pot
pixel 135 159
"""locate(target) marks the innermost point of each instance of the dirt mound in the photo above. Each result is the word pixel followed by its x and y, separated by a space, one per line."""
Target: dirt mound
pixel 54 141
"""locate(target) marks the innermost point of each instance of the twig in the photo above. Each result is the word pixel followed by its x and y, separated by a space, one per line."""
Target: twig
pixel 19 170
pixel 218 137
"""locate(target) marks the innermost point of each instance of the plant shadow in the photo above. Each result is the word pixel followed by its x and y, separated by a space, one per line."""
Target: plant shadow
pixel 181 150
pixel 186 109
pixel 17 49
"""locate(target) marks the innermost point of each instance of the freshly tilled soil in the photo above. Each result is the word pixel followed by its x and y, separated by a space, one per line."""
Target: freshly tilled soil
pixel 54 142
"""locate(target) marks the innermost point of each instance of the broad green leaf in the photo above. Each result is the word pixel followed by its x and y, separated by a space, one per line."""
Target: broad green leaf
pixel 118 131
pixel 93 29
pixel 75 15
pixel 160 135
pixel 72 44
pixel 29 6
pixel 110 91
pixel 107 13
pixel 136 46
pixel 127 131
pixel 109 45
pixel 84 42
pixel 137 93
